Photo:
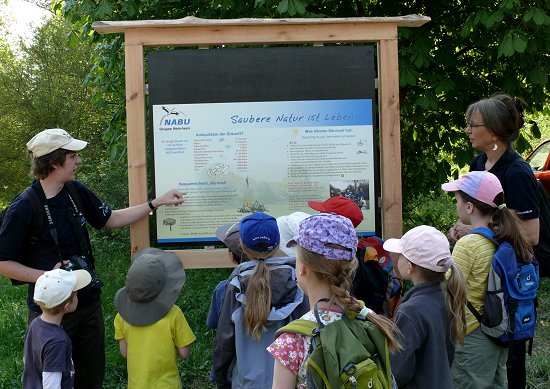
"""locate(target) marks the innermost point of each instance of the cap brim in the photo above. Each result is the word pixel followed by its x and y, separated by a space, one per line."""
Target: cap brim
pixel 146 313
pixel 317 205
pixel 450 186
pixel 393 245
pixel 83 278
pixel 75 145
pixel 222 232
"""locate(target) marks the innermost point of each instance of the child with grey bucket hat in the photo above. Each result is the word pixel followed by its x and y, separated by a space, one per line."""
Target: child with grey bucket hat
pixel 149 327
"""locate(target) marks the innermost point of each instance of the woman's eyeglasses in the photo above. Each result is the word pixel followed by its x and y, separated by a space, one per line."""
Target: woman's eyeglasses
pixel 473 125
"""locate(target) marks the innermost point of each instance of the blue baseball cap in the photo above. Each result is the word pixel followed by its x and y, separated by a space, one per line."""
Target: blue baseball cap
pixel 259 232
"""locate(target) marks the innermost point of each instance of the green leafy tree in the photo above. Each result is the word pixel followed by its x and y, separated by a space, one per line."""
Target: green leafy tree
pixel 43 86
pixel 470 50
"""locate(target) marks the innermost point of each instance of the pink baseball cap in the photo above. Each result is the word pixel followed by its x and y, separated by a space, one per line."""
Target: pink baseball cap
pixel 424 246
pixel 480 185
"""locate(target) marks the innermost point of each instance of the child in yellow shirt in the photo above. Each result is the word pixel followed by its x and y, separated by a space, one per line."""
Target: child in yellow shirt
pixel 151 330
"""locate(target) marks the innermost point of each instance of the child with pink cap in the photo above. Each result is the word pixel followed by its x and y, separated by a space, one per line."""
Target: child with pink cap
pixel 481 363
pixel 431 315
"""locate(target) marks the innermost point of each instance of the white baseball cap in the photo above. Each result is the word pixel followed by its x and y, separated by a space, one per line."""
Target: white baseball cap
pixel 424 246
pixel 288 227
pixel 52 139
pixel 55 286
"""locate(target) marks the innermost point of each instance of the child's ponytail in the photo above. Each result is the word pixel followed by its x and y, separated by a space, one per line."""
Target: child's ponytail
pixel 258 294
pixel 455 298
pixel 507 226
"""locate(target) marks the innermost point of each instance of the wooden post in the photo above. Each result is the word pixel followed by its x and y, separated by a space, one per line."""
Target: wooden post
pixel 135 122
pixel 390 140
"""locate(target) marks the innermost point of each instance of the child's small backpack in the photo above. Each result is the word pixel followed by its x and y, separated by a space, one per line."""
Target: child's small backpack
pixel 373 283
pixel 349 353
pixel 510 300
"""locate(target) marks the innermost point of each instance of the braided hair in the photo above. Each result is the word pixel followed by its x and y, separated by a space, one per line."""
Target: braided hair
pixel 338 274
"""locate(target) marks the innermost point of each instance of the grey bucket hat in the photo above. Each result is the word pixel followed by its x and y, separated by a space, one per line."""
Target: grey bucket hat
pixel 153 284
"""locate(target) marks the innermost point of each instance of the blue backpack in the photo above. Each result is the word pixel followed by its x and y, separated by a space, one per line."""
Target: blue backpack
pixel 510 299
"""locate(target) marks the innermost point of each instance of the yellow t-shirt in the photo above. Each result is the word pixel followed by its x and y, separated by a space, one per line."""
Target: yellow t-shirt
pixel 151 360
pixel 473 255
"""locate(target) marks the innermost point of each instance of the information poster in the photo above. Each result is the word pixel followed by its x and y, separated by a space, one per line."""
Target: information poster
pixel 236 158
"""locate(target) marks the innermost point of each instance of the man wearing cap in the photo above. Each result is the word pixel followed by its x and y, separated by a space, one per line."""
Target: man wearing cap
pixel 68 205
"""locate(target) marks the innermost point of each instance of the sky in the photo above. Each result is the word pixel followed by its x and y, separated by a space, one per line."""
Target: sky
pixel 21 18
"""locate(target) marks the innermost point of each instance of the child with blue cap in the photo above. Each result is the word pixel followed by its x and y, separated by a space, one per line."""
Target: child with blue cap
pixel 261 297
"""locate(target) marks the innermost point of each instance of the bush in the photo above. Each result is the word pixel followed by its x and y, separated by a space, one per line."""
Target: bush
pixel 436 209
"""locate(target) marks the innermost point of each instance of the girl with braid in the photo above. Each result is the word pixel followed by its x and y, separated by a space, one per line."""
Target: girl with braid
pixel 261 296
pixel 431 317
pixel 325 253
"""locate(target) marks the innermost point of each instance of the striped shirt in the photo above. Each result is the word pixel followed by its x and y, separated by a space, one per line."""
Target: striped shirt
pixel 473 255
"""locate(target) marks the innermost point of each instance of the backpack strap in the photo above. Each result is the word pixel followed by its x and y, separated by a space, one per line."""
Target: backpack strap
pixel 474 311
pixel 300 326
pixel 36 225
pixel 30 194
pixel 489 234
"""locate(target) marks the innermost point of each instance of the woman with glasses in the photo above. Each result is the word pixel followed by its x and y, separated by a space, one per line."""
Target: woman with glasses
pixel 493 124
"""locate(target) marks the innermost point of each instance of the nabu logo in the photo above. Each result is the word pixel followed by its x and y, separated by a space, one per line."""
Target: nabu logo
pixel 174 118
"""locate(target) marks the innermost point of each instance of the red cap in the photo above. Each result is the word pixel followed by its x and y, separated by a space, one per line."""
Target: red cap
pixel 340 206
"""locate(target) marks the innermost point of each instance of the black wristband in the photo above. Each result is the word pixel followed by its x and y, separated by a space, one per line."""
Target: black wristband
pixel 150 203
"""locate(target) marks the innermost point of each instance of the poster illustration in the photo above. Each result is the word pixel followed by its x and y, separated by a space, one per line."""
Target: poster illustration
pixel 232 159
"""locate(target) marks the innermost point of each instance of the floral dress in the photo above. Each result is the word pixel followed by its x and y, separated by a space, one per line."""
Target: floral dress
pixel 291 349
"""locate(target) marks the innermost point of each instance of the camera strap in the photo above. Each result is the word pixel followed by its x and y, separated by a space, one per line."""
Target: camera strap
pixel 53 231
pixel 78 222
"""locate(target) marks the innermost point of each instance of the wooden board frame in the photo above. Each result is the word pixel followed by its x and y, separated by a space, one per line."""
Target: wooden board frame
pixel 191 31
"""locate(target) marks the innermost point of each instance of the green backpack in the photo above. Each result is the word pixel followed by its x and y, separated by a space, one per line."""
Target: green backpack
pixel 349 353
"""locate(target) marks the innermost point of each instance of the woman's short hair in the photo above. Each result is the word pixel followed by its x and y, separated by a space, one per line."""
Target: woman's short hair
pixel 501 114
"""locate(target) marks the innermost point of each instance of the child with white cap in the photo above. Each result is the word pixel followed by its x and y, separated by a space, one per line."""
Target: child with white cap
pixel 481 363
pixel 429 318
pixel 48 351
pixel 149 326
pixel 326 245
pixel 288 228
